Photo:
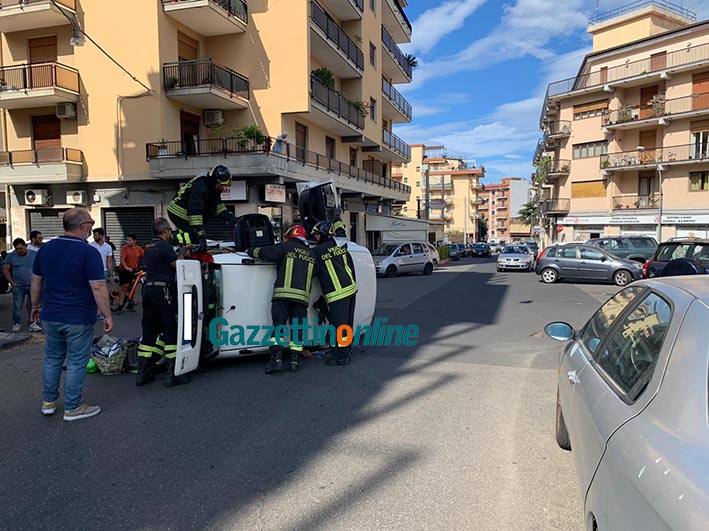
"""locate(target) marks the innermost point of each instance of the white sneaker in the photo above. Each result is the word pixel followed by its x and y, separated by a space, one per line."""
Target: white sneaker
pixel 16 328
pixel 84 411
pixel 34 327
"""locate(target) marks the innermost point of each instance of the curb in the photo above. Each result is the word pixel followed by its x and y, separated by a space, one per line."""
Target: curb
pixel 8 340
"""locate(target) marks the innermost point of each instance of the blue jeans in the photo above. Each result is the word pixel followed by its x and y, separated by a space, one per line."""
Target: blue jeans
pixel 18 298
pixel 72 342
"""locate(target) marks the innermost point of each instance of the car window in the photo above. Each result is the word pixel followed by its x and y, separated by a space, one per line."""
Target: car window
pixel 629 355
pixel 600 323
pixel 566 252
pixel 590 254
pixel 673 250
pixel 619 245
pixel 551 253
pixel 418 248
pixel 642 243
pixel 404 250
pixel 515 249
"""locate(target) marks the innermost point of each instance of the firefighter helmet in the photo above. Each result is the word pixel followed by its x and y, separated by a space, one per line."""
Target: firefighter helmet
pixel 296 231
pixel 221 175
pixel 324 228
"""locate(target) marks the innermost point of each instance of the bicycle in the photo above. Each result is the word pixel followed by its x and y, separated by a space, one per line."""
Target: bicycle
pixel 138 279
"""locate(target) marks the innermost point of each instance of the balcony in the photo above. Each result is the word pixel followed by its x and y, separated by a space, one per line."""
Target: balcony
pixel 394 63
pixel 669 7
pixel 629 74
pixel 205 85
pixel 333 112
pixel 557 129
pixel 687 154
pixel 661 112
pixel 250 159
pixel 435 215
pixel 437 186
pixel 557 168
pixel 209 17
pixel 34 85
pixel 396 149
pixel 346 10
pixel 21 15
pixel 396 108
pixel 332 47
pixel 555 206
pixel 396 20
pixel 622 202
pixel 41 166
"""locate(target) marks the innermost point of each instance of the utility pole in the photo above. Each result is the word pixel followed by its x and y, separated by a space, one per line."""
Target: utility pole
pixel 427 193
pixel 443 198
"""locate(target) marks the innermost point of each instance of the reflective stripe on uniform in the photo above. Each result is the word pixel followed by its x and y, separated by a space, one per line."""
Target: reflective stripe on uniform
pixel 170 351
pixel 257 250
pixel 291 293
pixel 146 351
pixel 341 294
pixel 309 280
pixel 333 276
pixel 289 273
pixel 296 348
pixel 179 211
pixel 220 208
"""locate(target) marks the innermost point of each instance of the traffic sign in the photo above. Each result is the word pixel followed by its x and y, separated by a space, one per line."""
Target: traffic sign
pixel 437 204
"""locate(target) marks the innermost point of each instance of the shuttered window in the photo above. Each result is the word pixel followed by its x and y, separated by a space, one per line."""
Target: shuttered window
pixel 590 149
pixel 590 110
pixel 47 221
pixel 588 189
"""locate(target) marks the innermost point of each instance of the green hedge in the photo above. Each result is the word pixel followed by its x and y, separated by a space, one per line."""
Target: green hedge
pixel 444 252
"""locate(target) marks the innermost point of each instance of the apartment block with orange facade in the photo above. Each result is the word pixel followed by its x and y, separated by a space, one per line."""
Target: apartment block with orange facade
pixel 500 204
pixel 630 133
pixel 79 130
pixel 452 181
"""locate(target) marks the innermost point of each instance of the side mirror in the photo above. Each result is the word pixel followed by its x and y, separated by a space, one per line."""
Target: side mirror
pixel 559 331
pixel 603 258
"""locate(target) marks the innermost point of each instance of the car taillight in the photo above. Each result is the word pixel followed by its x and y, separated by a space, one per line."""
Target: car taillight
pixel 542 253
pixel 645 266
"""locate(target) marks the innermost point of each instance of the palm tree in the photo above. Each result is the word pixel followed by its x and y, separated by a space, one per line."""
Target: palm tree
pixel 411 60
pixel 528 212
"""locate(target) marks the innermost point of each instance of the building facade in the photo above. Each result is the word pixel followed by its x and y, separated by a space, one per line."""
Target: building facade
pixel 501 203
pixel 625 142
pixel 199 84
pixel 454 191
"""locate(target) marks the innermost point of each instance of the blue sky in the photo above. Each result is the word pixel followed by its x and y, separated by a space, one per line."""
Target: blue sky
pixel 483 69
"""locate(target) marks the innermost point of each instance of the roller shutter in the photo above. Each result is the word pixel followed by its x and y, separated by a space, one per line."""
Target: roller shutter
pixel 119 222
pixel 48 221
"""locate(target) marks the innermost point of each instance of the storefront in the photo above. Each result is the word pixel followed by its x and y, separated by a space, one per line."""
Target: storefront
pixel 689 226
pixel 383 228
pixel 582 228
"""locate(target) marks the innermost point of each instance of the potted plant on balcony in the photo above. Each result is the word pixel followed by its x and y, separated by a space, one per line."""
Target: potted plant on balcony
pixel 325 76
pixel 605 163
pixel 251 133
pixel 411 60
pixel 170 82
pixel 658 105
pixel 625 115
pixel 361 106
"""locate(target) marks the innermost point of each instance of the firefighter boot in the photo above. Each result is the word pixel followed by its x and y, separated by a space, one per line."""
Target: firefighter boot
pixel 145 371
pixel 170 379
pixel 294 361
pixel 275 364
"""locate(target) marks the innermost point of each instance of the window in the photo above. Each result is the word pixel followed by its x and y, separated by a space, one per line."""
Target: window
pixel 699 181
pixel 601 322
pixel 418 169
pixel 566 252
pixel 330 147
pixel 406 209
pixel 590 110
pixel 404 250
pixel 406 164
pixel 418 248
pixel 353 157
pixel 672 251
pixel 373 5
pixel 372 54
pixel 629 355
pixel 418 183
pixel 700 145
pixel 591 149
pixel 373 109
pixel 551 253
pixel 590 254
pixel 406 179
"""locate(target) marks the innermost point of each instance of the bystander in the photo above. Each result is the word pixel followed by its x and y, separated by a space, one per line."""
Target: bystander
pixel 17 269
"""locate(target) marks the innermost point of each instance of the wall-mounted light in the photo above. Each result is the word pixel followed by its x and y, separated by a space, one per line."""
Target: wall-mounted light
pixel 77 39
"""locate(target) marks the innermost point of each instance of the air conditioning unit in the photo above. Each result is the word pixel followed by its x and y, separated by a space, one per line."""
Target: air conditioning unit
pixel 36 197
pixel 66 111
pixel 76 197
pixel 215 117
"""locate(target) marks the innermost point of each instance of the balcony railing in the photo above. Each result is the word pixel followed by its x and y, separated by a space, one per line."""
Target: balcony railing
pixel 558 128
pixel 239 146
pixel 550 206
pixel 395 143
pixel 651 157
pixel 396 98
pixel 336 34
pixel 558 166
pixel 639 4
pixel 635 201
pixel 394 49
pixel 336 103
pixel 659 108
pixel 201 72
pixel 400 9
pixel 39 75
pixel 236 8
pixel 41 156
pixel 71 4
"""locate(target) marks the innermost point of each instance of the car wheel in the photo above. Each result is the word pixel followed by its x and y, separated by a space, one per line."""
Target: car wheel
pixel 549 276
pixel 622 277
pixel 562 434
pixel 428 269
pixel 390 272
pixel 499 270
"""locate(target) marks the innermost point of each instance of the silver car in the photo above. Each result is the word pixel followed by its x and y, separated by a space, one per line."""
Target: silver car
pixel 515 257
pixel 584 262
pixel 632 404
pixel 392 259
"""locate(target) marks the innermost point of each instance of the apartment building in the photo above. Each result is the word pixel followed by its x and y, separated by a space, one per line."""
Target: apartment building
pixel 626 141
pixel 454 189
pixel 500 205
pixel 179 89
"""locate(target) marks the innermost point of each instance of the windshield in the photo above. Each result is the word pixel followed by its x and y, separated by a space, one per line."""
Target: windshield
pixel 532 245
pixel 385 250
pixel 515 249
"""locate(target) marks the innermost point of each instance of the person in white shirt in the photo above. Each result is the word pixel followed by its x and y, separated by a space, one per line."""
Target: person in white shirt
pixel 105 250
pixel 35 241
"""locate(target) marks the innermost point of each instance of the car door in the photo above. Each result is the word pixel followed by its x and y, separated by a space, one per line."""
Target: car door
pixel 190 315
pixel 566 259
pixel 403 258
pixel 593 264
pixel 420 258
pixel 616 381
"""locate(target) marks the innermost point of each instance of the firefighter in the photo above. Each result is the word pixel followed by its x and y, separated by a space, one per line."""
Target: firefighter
pixel 159 308
pixel 196 203
pixel 337 279
pixel 296 266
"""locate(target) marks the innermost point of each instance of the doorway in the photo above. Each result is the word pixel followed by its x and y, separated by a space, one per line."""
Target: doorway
pixel 354 224
pixel 189 131
pixel 47 138
pixel 42 51
pixel 301 141
pixel 646 106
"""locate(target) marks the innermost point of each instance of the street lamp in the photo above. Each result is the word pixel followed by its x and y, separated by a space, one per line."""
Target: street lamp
pixel 641 149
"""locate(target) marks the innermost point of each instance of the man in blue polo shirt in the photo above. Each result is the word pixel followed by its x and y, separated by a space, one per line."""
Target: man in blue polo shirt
pixel 67 287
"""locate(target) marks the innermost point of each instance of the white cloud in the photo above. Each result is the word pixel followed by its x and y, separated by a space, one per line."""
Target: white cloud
pixel 435 23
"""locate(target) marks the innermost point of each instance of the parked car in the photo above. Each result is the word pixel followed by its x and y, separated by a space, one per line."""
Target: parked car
pixel 632 406
pixel 469 249
pixel 481 249
pixel 392 259
pixel 532 245
pixel 462 251
pixel 515 257
pixel 638 248
pixel 435 257
pixel 687 256
pixel 585 262
pixel 455 252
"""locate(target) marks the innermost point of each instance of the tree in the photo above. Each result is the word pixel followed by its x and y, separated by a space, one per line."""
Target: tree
pixel 411 60
pixel 482 227
pixel 528 212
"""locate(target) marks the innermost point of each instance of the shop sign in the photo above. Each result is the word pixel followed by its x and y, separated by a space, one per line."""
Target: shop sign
pixel 236 192
pixel 585 220
pixel 672 219
pixel 633 220
pixel 275 193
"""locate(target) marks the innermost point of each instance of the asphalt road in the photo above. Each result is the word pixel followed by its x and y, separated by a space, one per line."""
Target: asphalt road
pixel 454 433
